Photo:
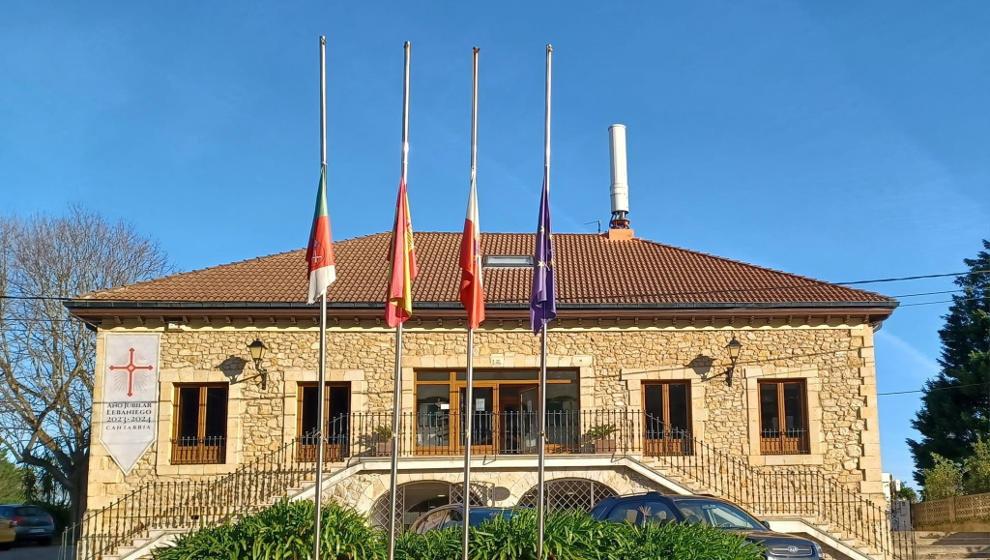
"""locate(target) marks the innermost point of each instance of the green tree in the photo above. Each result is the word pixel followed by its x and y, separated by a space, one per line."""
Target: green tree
pixel 11 482
pixel 955 409
pixel 46 357
pixel 977 467
pixel 907 493
pixel 943 480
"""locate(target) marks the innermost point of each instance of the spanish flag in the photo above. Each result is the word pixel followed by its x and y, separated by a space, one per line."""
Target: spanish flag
pixel 402 255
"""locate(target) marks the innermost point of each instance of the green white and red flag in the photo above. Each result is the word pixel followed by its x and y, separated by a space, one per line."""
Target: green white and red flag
pixel 319 254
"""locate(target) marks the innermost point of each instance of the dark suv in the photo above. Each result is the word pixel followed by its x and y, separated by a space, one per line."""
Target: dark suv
pixel 654 507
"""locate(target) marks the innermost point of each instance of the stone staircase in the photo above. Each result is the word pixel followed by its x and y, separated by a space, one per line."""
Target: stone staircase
pixel 791 499
pixel 836 539
pixel 952 546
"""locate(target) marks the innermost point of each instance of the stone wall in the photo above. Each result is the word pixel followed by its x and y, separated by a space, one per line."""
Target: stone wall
pixel 612 361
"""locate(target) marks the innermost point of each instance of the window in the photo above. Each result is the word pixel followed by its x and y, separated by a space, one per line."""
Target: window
pixel 508 261
pixel 336 406
pixel 200 435
pixel 667 408
pixel 716 514
pixel 783 417
pixel 505 417
pixel 640 513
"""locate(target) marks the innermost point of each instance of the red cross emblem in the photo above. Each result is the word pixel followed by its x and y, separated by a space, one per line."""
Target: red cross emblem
pixel 130 368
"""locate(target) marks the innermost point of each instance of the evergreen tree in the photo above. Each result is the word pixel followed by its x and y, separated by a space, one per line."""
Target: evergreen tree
pixel 955 409
pixel 11 482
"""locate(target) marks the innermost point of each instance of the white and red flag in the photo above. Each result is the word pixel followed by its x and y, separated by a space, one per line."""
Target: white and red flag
pixel 319 254
pixel 472 291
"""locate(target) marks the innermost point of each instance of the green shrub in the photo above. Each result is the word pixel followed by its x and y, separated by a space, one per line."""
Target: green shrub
pixel 943 480
pixel 977 468
pixel 284 532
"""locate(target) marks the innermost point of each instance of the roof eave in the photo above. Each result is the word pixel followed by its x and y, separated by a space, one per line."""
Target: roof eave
pixel 93 308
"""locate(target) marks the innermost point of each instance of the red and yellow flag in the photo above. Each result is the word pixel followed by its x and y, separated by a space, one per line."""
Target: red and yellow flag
pixel 402 255
pixel 472 293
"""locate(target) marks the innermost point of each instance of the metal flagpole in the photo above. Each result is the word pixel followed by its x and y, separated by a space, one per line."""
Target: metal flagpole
pixel 397 392
pixel 541 493
pixel 320 414
pixel 469 388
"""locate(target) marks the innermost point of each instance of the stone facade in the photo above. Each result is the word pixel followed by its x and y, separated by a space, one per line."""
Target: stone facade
pixel 612 358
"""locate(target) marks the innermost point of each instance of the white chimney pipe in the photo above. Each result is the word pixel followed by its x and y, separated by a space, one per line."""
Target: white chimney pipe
pixel 620 185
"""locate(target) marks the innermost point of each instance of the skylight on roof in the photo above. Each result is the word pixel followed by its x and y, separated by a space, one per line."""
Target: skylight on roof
pixel 508 261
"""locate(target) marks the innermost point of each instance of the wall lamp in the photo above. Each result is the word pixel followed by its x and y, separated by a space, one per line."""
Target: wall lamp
pixel 258 349
pixel 734 347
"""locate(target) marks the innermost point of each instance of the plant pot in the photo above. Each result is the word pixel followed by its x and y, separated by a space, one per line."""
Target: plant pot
pixel 604 445
pixel 383 448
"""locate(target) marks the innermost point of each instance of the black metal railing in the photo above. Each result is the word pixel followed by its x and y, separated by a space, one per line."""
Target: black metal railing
pixel 808 492
pixel 169 504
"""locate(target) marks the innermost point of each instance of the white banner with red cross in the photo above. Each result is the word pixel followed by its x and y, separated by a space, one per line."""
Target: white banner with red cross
pixel 130 396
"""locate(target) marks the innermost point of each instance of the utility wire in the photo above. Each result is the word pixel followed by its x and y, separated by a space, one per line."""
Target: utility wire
pixel 931 389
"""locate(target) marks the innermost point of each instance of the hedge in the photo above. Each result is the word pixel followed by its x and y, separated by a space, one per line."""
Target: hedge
pixel 284 532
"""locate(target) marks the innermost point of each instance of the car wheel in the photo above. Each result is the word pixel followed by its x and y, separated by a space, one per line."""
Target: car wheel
pixel 47 541
pixel 6 545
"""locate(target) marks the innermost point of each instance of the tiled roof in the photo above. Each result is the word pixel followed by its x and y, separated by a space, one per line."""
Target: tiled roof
pixel 591 271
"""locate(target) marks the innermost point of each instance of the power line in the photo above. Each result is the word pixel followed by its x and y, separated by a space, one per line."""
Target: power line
pixel 986 297
pixel 931 389
pixel 922 277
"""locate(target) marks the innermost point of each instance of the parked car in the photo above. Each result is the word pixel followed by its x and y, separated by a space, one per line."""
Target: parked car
pixel 653 507
pixel 7 533
pixel 31 523
pixel 453 516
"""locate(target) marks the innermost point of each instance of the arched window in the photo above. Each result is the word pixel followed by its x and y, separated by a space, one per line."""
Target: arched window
pixel 416 498
pixel 569 493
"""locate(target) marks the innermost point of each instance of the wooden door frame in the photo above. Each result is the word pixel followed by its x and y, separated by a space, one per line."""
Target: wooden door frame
pixel 454 387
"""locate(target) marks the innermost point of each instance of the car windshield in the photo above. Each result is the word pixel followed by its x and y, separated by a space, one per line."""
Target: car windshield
pixel 28 511
pixel 716 514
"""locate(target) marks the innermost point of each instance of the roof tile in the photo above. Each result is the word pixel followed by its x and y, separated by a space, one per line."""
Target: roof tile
pixel 591 270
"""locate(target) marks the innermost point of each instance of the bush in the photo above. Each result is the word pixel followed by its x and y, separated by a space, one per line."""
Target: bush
pixel 977 468
pixel 943 480
pixel 284 532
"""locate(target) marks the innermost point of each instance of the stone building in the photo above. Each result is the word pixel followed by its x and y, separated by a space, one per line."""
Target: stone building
pixel 644 392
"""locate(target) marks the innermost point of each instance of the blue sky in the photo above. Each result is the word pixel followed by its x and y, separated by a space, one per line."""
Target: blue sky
pixel 837 140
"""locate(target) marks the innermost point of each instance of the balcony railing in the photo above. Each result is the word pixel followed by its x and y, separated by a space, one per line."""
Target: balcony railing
pixel 784 442
pixel 210 450
pixel 189 504
pixel 369 434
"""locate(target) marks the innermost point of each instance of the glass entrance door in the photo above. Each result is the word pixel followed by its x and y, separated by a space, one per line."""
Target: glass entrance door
pixel 529 424
pixel 482 419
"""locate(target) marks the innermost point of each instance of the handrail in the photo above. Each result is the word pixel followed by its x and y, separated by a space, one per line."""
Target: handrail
pixel 186 504
pixel 189 504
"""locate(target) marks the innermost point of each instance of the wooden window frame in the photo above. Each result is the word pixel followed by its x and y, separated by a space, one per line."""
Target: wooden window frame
pixel 782 444
pixel 668 445
pixel 306 452
pixel 454 387
pixel 201 453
